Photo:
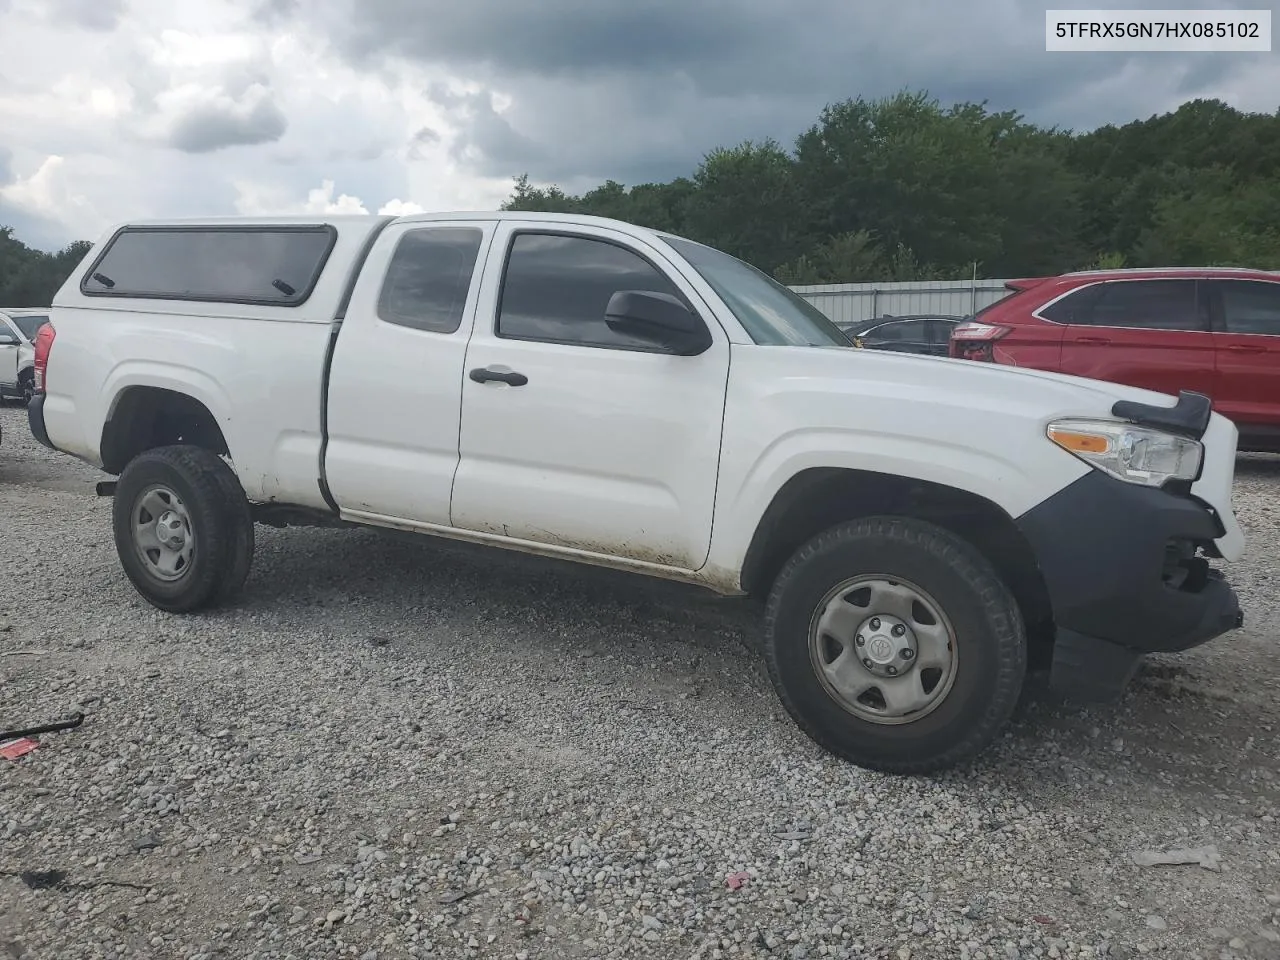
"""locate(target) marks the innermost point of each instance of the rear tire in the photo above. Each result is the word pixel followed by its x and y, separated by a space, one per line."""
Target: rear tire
pixel 936 678
pixel 182 526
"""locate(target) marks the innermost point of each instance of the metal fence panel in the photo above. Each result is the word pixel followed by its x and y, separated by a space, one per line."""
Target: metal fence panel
pixel 855 302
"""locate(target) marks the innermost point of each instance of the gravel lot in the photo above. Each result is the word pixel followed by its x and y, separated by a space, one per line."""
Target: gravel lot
pixel 398 748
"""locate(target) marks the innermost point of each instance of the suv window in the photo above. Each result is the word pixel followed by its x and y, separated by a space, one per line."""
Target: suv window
pixel 1143 304
pixel 557 287
pixel 428 278
pixel 940 330
pixel 269 265
pixel 898 330
pixel 30 324
pixel 1251 306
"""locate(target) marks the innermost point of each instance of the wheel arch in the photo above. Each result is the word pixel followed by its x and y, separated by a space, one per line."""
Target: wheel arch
pixel 142 417
pixel 818 498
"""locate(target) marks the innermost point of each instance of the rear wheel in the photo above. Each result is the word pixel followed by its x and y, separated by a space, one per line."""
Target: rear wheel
pixel 894 644
pixel 183 531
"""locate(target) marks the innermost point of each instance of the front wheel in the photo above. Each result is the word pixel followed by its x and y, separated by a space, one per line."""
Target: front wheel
pixel 894 644
pixel 182 527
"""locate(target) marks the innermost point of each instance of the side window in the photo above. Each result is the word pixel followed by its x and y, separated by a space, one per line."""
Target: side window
pixel 898 330
pixel 1149 305
pixel 1075 307
pixel 276 265
pixel 427 281
pixel 940 331
pixel 1251 306
pixel 556 289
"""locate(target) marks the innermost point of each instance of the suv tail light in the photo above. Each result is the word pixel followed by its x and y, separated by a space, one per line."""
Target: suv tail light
pixel 43 344
pixel 975 341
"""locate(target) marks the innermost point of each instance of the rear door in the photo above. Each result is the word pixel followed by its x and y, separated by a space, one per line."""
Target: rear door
pixel 1247 334
pixel 1153 334
pixel 395 384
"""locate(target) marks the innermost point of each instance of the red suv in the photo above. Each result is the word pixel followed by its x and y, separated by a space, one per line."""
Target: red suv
pixel 1214 330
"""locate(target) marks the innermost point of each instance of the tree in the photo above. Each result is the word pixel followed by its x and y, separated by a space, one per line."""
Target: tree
pixel 31 278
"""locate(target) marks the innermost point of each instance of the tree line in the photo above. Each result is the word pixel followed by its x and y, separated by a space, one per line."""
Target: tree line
pixel 904 188
pixel 29 277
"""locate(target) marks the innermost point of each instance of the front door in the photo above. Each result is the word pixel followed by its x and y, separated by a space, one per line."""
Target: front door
pixel 589 439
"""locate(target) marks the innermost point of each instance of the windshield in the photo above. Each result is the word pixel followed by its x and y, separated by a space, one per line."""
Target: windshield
pixel 771 314
pixel 29 324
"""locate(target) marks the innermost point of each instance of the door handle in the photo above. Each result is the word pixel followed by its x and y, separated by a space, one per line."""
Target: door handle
pixel 486 374
pixel 1100 341
pixel 1245 348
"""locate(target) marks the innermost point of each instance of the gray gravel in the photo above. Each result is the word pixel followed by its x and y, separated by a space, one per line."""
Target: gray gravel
pixel 398 748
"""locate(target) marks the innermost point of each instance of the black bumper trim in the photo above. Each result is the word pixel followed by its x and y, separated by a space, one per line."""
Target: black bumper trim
pixel 1117 561
pixel 35 420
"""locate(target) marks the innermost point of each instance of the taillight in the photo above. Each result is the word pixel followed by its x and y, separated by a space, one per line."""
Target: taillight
pixel 975 341
pixel 43 344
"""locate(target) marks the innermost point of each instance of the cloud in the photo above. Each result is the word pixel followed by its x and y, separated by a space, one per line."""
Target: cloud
pixel 224 122
pixel 209 107
pixel 579 90
pixel 35 205
pixel 100 16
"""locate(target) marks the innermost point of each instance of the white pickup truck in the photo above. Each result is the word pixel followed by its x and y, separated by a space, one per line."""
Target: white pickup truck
pixel 587 389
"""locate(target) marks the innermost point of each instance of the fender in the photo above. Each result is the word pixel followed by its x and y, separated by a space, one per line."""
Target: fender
pixel 1001 480
pixel 183 379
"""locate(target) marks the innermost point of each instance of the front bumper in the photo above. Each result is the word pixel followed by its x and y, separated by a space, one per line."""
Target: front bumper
pixel 1120 565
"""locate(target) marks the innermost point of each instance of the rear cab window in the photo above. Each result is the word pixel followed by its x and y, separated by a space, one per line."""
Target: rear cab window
pixel 275 265
pixel 429 277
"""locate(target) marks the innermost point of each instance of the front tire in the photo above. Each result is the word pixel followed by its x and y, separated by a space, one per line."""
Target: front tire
pixel 183 531
pixel 895 645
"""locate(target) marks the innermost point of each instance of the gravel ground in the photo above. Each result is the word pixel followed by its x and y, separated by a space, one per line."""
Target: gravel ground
pixel 397 748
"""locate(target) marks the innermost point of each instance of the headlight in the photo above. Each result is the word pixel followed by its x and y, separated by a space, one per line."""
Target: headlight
pixel 1130 452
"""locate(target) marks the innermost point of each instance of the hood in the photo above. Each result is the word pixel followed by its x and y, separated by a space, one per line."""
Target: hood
pixel 971 379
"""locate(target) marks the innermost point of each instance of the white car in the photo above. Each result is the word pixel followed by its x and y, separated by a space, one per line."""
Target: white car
pixel 587 389
pixel 17 357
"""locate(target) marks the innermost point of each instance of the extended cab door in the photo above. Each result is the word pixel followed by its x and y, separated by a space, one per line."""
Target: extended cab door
pixel 395 386
pixel 1153 334
pixel 600 442
pixel 1247 320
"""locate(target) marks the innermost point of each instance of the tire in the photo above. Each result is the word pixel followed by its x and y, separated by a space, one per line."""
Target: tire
pixel 973 697
pixel 211 517
pixel 27 386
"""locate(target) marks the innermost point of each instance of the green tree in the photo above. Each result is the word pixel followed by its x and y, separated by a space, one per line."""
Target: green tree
pixel 746 202
pixel 31 278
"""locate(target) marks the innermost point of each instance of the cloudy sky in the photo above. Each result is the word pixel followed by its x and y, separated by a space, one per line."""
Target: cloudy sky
pixel 118 109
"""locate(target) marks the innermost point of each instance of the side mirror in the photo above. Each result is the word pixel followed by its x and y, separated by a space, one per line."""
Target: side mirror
pixel 659 318
pixel 7 339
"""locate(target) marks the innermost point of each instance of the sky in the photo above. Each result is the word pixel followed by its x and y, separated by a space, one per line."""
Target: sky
pixel 116 110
